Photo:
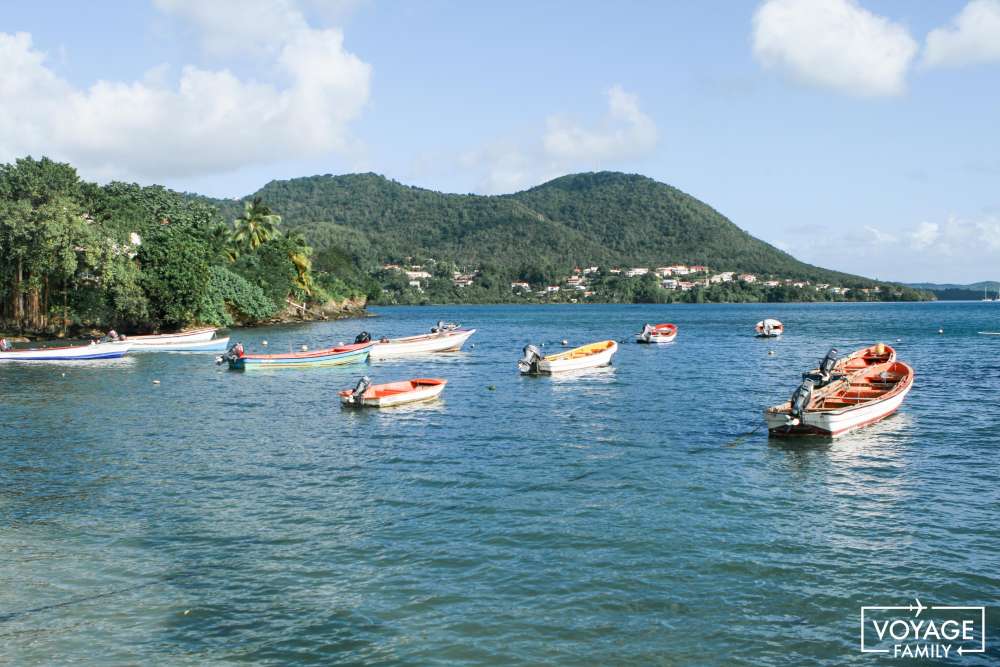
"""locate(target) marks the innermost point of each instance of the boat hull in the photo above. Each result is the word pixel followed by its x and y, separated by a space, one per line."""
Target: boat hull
pixel 447 341
pixel 160 341
pixel 656 339
pixel 332 357
pixel 211 345
pixel 549 366
pixel 395 394
pixel 72 353
pixel 833 424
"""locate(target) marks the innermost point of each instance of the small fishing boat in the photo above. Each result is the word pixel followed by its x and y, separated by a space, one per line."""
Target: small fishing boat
pixel 108 350
pixel 657 333
pixel 867 387
pixel 443 338
pixel 587 356
pixel 366 394
pixel 196 340
pixel 239 360
pixel 769 328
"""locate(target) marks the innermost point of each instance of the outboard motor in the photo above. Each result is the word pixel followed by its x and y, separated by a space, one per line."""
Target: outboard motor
pixel 443 326
pixel 647 332
pixel 234 352
pixel 359 390
pixel 529 362
pixel 5 346
pixel 826 366
pixel 800 399
pixel 362 337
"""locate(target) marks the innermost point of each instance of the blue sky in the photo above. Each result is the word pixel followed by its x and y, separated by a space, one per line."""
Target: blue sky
pixel 859 135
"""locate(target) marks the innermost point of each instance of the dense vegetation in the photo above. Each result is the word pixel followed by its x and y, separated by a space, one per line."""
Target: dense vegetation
pixel 951 292
pixel 607 219
pixel 75 255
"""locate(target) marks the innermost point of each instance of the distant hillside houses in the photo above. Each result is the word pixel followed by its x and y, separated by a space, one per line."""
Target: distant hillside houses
pixel 697 275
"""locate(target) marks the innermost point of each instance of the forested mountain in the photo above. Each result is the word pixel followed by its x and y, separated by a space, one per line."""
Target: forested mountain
pixel 603 218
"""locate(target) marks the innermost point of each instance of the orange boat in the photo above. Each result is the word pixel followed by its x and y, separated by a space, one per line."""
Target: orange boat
pixel 844 394
pixel 657 333
pixel 366 394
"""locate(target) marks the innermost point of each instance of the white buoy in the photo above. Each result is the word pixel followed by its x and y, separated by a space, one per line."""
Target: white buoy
pixel 940 331
pixel 770 353
pixel 264 342
pixel 565 342
pixel 305 347
pixel 64 375
pixel 156 382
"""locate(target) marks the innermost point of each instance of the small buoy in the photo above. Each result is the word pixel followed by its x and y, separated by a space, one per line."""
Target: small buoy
pixel 156 382
pixel 564 342
pixel 64 375
pixel 305 347
pixel 899 340
pixel 472 346
pixel 770 353
pixel 263 342
pixel 492 387
pixel 940 331
pixel 187 611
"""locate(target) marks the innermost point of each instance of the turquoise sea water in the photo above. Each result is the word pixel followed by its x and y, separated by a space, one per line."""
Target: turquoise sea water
pixel 611 518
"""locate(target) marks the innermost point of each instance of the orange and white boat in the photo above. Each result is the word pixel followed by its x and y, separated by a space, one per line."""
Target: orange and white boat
pixel 769 328
pixel 366 394
pixel 587 356
pixel 844 394
pixel 657 333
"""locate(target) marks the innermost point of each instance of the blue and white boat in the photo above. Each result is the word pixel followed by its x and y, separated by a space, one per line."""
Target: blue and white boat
pixel 68 353
pixel 196 340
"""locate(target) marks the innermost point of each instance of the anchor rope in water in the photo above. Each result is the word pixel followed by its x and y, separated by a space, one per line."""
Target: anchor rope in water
pixel 10 616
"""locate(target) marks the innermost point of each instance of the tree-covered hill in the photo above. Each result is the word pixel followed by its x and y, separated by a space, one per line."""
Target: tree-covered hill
pixel 604 218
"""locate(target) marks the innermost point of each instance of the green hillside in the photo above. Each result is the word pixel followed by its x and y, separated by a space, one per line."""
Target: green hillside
pixel 603 218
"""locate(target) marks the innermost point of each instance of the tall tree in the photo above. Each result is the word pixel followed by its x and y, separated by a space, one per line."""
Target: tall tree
pixel 256 226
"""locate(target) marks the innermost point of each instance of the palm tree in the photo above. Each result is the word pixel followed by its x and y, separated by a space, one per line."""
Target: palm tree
pixel 298 255
pixel 256 226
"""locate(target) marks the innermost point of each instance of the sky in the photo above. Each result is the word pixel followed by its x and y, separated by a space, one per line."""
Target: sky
pixel 860 135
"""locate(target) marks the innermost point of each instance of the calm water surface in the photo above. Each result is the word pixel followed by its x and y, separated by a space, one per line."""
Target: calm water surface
pixel 611 518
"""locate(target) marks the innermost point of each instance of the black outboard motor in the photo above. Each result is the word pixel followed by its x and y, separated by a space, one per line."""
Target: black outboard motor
pixel 825 374
pixel 362 337
pixel 443 326
pixel 647 332
pixel 801 398
pixel 234 352
pixel 528 364
pixel 359 390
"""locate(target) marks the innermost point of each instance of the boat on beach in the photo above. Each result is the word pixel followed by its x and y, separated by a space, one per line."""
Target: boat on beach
pixel 443 338
pixel 657 333
pixel 239 360
pixel 769 328
pixel 366 394
pixel 108 350
pixel 195 340
pixel 843 394
pixel 586 356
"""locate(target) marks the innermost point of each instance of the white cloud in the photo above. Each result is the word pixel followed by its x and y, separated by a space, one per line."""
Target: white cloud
pixel 204 122
pixel 879 236
pixel 834 44
pixel 624 133
pixel 925 235
pixel 972 37
pixel 957 249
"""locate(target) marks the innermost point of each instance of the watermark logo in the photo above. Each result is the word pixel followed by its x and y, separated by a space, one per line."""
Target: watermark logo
pixel 909 632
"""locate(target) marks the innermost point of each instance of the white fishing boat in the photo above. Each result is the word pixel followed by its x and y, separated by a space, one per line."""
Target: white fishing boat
pixel 111 350
pixel 196 340
pixel 870 388
pixel 769 328
pixel 587 356
pixel 657 333
pixel 366 394
pixel 443 338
